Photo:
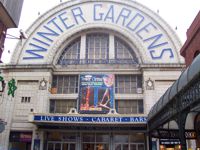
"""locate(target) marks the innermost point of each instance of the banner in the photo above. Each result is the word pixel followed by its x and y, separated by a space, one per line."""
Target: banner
pixel 89 119
pixel 96 93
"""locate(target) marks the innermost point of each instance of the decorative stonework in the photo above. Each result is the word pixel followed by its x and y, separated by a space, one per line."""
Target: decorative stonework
pixel 149 84
pixel 43 84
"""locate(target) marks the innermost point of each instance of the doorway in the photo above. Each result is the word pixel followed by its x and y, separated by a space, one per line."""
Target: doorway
pixel 61 146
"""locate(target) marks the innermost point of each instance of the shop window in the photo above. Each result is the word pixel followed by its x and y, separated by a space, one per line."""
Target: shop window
pixel 61 106
pixel 65 84
pixel 129 106
pixel 128 84
pixel 97 46
pixel 20 140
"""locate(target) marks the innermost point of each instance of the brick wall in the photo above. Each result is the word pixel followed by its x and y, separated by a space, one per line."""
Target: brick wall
pixel 192 45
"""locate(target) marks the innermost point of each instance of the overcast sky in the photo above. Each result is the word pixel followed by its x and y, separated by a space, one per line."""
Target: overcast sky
pixel 177 13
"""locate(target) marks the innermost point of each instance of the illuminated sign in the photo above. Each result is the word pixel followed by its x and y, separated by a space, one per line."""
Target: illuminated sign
pixel 169 141
pixel 96 93
pixel 82 119
pixel 156 41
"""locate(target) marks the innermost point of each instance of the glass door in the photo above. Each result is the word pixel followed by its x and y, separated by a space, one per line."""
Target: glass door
pixel 133 141
pixel 54 146
pixel 68 146
pixel 95 141
pixel 61 146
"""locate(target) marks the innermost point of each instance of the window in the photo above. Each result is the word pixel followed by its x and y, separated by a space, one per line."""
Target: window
pixel 97 46
pixel 61 106
pixel 65 84
pixel 71 53
pixel 128 84
pixel 129 106
pixel 123 51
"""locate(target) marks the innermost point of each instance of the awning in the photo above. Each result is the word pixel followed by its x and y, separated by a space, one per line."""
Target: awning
pixel 93 122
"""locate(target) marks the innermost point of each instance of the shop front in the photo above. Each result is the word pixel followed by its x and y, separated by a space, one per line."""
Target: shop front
pixel 92 133
pixel 20 140
pixel 98 140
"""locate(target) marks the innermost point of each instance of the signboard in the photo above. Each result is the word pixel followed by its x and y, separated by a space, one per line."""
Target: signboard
pixel 169 141
pixel 96 93
pixel 145 27
pixel 89 119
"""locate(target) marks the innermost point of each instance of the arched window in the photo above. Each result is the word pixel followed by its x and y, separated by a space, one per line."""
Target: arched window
pixel 97 46
pixel 123 51
pixel 71 54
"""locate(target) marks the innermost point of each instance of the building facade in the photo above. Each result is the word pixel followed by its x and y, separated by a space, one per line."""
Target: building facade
pixel 191 47
pixel 175 117
pixel 10 14
pixel 87 77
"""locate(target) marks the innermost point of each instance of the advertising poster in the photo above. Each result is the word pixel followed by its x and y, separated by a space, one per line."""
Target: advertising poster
pixel 96 93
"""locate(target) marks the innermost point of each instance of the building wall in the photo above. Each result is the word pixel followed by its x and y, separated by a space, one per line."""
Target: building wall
pixel 191 46
pixel 2 37
pixel 11 11
pixel 10 14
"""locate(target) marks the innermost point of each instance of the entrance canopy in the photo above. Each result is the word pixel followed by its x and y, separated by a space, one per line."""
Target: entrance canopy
pixel 79 122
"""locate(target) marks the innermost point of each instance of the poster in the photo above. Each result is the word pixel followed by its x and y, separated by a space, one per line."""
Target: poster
pixel 96 93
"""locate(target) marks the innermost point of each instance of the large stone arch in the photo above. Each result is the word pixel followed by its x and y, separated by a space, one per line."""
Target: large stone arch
pixel 155 40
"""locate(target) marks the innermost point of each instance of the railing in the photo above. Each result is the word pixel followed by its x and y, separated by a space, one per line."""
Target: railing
pixel 96 61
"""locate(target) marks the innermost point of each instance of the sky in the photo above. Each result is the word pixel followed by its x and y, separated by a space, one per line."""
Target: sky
pixel 179 14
